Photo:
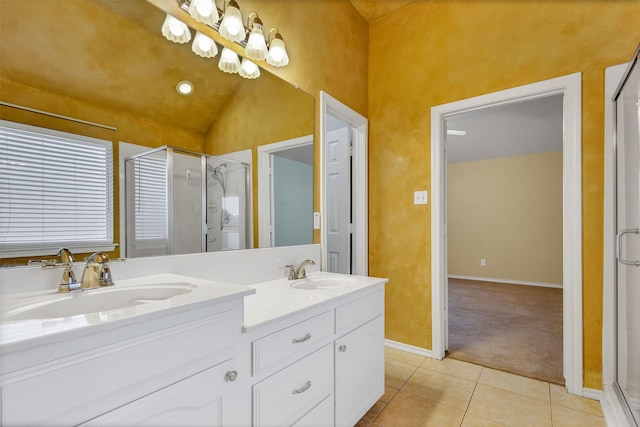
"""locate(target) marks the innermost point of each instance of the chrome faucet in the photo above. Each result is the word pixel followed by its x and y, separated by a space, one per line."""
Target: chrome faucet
pixel 300 272
pixel 96 272
pixel 68 281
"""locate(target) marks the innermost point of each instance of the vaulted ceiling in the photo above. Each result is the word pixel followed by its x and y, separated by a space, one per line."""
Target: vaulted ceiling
pixel 372 10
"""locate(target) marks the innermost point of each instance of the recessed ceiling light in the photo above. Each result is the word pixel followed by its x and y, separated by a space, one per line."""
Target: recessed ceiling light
pixel 456 132
pixel 184 87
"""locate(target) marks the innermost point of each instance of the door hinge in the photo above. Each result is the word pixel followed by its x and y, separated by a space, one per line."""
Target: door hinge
pixel 351 151
pixel 350 229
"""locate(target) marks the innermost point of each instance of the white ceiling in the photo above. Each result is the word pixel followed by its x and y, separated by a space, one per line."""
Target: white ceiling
pixel 527 127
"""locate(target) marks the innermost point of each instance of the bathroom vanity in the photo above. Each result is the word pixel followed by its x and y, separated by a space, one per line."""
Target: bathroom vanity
pixel 305 352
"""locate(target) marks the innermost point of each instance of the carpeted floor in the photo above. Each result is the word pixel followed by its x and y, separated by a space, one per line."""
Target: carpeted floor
pixel 511 328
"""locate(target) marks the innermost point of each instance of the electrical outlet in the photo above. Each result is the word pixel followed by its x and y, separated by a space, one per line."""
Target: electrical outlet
pixel 419 197
pixel 483 262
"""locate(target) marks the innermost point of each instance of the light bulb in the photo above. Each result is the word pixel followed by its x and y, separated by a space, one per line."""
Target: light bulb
pixel 249 70
pixel 277 55
pixel 256 45
pixel 229 61
pixel 204 46
pixel 175 30
pixel 231 27
pixel 204 11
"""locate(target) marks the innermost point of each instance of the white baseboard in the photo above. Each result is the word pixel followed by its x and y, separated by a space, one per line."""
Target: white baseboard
pixel 513 282
pixel 592 393
pixel 408 348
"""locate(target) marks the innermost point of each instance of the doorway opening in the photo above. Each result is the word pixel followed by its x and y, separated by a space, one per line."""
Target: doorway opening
pixel 285 193
pixel 569 87
pixel 504 240
pixel 343 183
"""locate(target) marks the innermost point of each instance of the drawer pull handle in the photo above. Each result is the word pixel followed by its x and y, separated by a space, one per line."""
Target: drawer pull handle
pixel 303 339
pixel 342 348
pixel 231 375
pixel 302 389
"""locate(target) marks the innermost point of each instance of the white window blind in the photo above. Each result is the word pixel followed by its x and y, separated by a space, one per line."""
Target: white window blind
pixel 56 189
pixel 150 199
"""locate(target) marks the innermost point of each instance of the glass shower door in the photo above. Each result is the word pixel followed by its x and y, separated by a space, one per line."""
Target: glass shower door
pixel 628 246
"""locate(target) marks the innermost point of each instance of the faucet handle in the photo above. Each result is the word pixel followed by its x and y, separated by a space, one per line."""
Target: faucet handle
pixel 292 272
pixel 104 275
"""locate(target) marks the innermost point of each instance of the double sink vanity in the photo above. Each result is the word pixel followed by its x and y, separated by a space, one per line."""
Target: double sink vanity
pixel 186 346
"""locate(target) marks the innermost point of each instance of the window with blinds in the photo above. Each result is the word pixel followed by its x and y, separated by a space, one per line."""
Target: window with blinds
pixel 150 200
pixel 56 189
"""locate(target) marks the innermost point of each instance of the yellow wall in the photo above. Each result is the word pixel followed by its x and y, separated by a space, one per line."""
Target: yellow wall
pixel 507 211
pixel 436 52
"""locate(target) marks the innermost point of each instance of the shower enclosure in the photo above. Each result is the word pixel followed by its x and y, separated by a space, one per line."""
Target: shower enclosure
pixel 627 283
pixel 180 202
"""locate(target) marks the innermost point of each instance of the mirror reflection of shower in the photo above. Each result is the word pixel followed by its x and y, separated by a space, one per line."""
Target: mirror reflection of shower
pixel 183 202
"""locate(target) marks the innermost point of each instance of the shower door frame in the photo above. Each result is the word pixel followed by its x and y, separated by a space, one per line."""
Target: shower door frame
pixel 616 407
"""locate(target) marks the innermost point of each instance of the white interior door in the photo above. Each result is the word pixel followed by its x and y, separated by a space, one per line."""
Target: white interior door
pixel 628 243
pixel 338 198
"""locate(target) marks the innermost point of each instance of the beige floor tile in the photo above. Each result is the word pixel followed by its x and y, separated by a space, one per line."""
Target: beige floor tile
pixel 471 420
pixel 559 396
pixel 389 392
pixel 440 388
pixel 413 411
pixel 509 408
pixel 396 373
pixel 403 356
pixel 515 383
pixel 457 368
pixel 371 414
pixel 566 417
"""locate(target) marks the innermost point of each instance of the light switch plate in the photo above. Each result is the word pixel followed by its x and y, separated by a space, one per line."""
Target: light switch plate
pixel 419 197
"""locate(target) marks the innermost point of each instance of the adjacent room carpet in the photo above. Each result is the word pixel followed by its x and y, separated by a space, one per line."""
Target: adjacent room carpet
pixel 512 328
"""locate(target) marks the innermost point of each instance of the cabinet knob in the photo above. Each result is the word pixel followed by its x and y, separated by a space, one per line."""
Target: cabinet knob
pixel 342 348
pixel 231 375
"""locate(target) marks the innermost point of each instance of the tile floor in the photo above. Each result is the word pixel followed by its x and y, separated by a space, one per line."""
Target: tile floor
pixel 423 392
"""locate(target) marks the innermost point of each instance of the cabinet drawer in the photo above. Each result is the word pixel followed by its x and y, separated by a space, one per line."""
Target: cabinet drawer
pixel 286 396
pixel 94 382
pixel 359 312
pixel 290 344
pixel 321 415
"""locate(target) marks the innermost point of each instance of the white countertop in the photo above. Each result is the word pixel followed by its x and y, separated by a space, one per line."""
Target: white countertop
pixel 264 302
pixel 276 299
pixel 201 292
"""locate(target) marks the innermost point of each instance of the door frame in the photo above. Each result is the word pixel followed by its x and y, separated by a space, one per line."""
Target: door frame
pixel 359 173
pixel 571 87
pixel 265 185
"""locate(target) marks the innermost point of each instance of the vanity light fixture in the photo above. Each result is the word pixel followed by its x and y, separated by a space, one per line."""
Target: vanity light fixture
pixel 204 46
pixel 277 55
pixel 456 132
pixel 229 61
pixel 231 27
pixel 249 70
pixel 256 47
pixel 184 87
pixel 175 30
pixel 204 11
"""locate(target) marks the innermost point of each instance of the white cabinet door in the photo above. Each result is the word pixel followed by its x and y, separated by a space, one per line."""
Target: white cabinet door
pixel 359 371
pixel 204 399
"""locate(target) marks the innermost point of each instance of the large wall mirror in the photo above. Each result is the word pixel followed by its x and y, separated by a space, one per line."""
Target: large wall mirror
pixel 106 61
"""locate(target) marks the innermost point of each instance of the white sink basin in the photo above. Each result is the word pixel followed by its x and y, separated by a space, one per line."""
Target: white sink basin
pixel 96 300
pixel 322 283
